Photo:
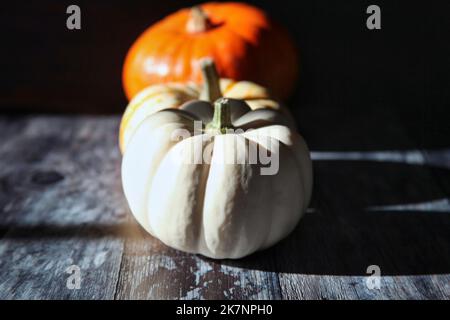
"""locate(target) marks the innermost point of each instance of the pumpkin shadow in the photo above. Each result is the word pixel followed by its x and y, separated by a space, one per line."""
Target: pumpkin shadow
pixel 342 237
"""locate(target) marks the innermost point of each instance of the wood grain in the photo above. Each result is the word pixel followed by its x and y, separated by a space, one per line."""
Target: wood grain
pixel 60 180
pixel 62 204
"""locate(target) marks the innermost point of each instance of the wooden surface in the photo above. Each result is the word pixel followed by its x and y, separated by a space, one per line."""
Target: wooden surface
pixel 61 204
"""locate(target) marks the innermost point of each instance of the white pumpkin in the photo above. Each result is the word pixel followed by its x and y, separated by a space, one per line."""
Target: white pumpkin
pixel 173 95
pixel 217 208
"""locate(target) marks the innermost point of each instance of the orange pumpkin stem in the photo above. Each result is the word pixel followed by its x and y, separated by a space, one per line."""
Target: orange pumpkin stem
pixel 211 81
pixel 198 21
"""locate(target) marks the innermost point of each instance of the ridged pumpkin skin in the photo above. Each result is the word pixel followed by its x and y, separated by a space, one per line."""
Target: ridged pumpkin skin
pixel 203 193
pixel 173 95
pixel 242 40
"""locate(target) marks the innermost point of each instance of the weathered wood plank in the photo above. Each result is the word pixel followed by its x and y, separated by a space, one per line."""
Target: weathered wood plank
pixel 61 205
pixel 150 270
pixel 301 286
pixel 328 254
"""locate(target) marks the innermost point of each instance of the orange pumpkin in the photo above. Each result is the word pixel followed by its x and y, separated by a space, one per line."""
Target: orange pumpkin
pixel 242 40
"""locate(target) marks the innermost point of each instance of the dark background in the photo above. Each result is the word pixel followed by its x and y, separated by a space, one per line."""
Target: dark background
pixel 356 85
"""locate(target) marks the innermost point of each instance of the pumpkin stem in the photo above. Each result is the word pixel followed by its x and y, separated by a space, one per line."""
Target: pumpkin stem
pixel 198 21
pixel 221 121
pixel 211 81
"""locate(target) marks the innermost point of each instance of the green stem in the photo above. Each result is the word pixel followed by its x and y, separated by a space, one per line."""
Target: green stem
pixel 211 81
pixel 221 121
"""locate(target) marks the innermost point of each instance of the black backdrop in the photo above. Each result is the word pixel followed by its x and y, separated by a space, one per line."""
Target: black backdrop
pixel 359 88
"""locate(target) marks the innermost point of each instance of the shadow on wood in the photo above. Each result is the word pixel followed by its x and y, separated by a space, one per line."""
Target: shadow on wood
pixel 85 231
pixel 342 237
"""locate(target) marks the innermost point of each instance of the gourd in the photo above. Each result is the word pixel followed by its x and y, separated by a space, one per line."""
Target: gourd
pixel 243 41
pixel 192 177
pixel 173 95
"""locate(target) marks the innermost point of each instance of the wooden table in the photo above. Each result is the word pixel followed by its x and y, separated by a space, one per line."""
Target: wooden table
pixel 61 204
